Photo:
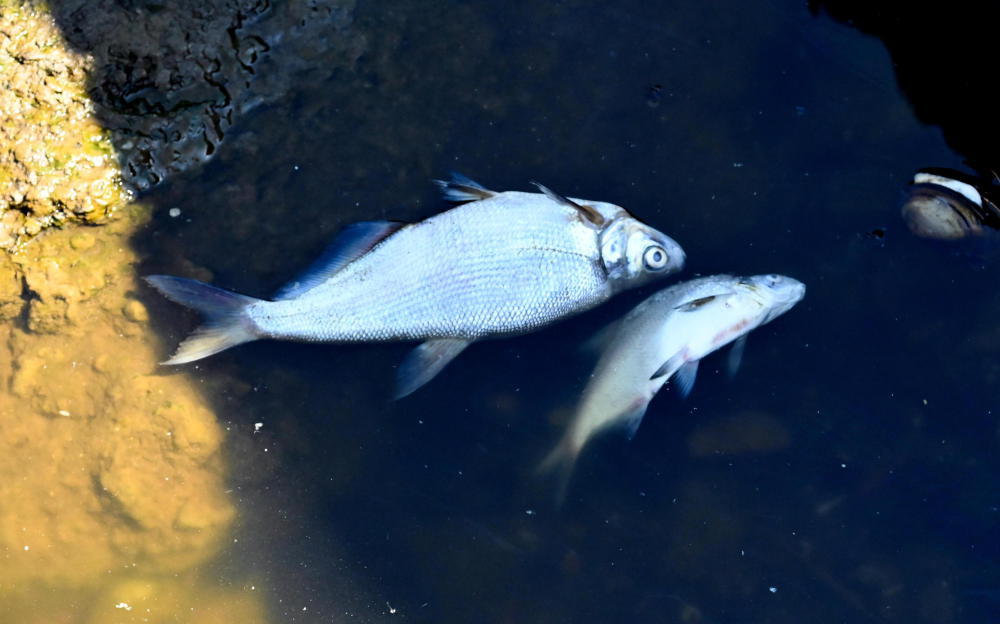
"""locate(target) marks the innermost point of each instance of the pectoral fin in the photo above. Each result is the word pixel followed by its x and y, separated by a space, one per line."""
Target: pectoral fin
pixel 354 241
pixel 669 367
pixel 736 355
pixel 694 304
pixel 425 362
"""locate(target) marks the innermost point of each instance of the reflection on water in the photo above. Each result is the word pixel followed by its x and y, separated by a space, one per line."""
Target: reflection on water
pixel 845 474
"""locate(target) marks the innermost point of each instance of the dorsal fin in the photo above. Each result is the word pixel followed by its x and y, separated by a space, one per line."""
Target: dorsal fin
pixel 462 189
pixel 588 212
pixel 354 241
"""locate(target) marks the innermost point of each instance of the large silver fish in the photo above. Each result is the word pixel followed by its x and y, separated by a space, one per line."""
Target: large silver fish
pixel 499 264
pixel 667 334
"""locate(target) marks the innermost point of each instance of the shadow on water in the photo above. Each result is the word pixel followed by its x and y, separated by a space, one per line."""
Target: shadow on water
pixel 744 134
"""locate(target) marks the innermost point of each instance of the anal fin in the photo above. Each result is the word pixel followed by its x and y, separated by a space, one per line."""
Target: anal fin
pixel 425 362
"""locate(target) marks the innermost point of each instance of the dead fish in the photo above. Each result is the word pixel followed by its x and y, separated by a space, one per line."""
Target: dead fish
pixel 499 264
pixel 943 204
pixel 666 336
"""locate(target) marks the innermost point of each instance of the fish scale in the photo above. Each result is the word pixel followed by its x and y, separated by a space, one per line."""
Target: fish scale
pixel 504 285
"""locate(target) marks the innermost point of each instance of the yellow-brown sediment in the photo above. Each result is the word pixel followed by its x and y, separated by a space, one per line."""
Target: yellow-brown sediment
pixel 111 476
pixel 111 469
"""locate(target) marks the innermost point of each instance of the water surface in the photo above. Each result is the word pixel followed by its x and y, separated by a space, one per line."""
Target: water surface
pixel 846 474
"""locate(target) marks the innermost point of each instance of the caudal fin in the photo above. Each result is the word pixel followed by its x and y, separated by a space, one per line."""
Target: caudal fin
pixel 226 322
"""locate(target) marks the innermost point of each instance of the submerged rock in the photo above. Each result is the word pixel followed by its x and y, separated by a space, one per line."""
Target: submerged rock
pixel 107 464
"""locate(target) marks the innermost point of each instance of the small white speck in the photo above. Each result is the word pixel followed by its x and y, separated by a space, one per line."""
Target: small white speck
pixel 737 165
pixel 529 512
pixel 174 213
pixel 772 589
pixel 27 547
pixel 392 609
pixel 123 605
pixel 843 465
pixel 257 426
pixel 63 412
pixel 295 167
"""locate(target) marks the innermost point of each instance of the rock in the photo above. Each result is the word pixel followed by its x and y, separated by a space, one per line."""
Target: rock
pixel 98 102
pixel 82 241
pixel 105 462
pixel 135 311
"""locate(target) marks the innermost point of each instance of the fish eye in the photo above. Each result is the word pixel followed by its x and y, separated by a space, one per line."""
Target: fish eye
pixel 772 280
pixel 655 258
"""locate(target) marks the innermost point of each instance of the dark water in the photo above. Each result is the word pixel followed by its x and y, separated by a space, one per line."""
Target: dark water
pixel 848 472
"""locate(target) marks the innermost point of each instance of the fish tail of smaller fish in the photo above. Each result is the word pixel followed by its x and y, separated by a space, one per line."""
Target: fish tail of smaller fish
pixel 226 321
pixel 558 466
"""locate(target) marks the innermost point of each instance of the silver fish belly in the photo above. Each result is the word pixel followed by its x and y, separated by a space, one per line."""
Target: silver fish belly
pixel 667 335
pixel 497 265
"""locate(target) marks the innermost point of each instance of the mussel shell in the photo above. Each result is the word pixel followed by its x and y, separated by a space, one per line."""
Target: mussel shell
pixel 938 212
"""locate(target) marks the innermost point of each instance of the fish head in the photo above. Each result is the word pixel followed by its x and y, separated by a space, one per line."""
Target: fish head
pixel 776 294
pixel 634 253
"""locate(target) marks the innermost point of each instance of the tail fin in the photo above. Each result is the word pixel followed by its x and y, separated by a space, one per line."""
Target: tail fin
pixel 226 323
pixel 558 465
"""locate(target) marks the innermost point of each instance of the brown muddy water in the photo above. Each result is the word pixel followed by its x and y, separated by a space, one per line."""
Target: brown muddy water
pixel 847 473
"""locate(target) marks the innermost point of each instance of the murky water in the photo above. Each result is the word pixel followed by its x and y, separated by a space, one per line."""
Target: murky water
pixel 846 474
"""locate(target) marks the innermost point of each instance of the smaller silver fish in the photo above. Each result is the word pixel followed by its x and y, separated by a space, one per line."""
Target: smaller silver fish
pixel 667 334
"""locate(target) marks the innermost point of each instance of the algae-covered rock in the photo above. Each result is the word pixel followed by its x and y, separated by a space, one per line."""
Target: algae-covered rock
pixel 57 163
pixel 102 98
